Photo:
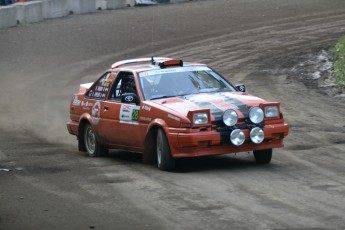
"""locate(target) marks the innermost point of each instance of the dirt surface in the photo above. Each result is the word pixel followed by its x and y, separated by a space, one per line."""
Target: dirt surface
pixel 45 183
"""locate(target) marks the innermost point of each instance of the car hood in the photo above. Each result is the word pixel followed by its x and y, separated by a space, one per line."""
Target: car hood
pixel 216 102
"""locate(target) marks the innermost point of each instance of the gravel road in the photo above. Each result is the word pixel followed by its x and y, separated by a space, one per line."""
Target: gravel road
pixel 45 183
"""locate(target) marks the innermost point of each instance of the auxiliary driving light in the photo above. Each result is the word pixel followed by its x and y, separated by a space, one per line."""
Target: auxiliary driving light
pixel 256 115
pixel 230 117
pixel 237 137
pixel 257 135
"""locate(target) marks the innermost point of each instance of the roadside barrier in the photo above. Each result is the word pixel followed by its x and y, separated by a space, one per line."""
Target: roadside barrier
pixel 8 16
pixel 28 11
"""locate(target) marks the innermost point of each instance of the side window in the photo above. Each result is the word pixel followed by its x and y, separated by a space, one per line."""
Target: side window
pixel 101 88
pixel 124 83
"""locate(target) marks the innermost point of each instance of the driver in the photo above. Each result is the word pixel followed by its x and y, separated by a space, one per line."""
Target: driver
pixel 128 85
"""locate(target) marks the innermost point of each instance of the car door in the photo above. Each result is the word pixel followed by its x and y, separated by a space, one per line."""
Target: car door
pixel 120 123
pixel 94 101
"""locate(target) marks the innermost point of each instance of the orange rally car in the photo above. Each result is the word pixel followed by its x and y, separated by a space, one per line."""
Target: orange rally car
pixel 168 109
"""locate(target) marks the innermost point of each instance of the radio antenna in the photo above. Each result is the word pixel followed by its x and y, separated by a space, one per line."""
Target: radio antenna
pixel 152 30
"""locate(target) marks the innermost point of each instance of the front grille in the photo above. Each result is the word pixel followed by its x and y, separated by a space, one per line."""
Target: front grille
pixel 225 131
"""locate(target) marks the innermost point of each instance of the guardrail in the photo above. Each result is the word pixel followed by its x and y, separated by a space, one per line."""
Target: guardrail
pixel 34 11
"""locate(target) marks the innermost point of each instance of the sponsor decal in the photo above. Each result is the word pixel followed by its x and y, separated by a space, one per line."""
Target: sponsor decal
pixel 125 117
pixel 135 114
pixel 146 107
pixel 129 98
pixel 86 104
pixel 91 93
pixel 99 95
pixel 96 112
pixel 76 101
pixel 173 117
pixel 174 70
pixel 144 74
pixel 129 114
pixel 112 76
pixel 146 119
pixel 126 108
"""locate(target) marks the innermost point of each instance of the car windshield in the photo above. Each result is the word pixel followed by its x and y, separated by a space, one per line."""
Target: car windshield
pixel 164 83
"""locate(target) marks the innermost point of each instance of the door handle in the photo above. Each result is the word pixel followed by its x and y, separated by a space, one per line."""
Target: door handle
pixel 106 107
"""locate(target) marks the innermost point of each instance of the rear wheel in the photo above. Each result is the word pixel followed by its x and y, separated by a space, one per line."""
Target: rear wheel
pixel 263 156
pixel 93 148
pixel 165 161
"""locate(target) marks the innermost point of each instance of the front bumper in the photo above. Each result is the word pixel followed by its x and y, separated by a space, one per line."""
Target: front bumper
pixel 211 142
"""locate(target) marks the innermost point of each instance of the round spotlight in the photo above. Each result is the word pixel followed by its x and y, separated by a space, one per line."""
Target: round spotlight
pixel 257 135
pixel 230 117
pixel 237 137
pixel 256 115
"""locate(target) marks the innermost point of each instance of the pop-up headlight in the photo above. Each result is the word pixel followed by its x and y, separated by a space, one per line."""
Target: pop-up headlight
pixel 271 111
pixel 200 118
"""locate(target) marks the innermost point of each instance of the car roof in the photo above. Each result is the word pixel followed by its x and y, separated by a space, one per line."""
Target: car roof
pixel 152 63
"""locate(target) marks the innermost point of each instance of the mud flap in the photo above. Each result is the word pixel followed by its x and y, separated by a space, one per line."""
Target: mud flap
pixel 149 151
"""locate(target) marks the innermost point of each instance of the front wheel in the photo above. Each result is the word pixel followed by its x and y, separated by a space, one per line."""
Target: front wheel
pixel 263 156
pixel 164 160
pixel 93 148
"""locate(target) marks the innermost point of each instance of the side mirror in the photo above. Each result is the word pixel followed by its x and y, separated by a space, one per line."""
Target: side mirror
pixel 129 98
pixel 241 88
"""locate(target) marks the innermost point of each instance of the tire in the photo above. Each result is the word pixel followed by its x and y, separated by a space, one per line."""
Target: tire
pixel 164 160
pixel 93 148
pixel 263 156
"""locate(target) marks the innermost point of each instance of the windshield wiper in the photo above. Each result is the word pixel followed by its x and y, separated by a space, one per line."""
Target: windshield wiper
pixel 161 97
pixel 185 94
pixel 168 96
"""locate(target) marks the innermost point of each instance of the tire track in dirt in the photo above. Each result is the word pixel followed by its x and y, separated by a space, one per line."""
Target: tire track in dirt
pixel 252 46
pixel 308 187
pixel 306 184
pixel 302 188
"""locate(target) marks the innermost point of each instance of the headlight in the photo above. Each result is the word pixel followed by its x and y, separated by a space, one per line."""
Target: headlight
pixel 257 135
pixel 230 117
pixel 271 111
pixel 237 137
pixel 200 118
pixel 256 115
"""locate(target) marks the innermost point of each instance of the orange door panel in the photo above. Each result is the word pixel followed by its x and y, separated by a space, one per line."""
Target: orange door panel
pixel 120 124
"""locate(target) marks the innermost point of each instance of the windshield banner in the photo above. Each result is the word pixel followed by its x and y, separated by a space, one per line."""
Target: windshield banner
pixel 173 70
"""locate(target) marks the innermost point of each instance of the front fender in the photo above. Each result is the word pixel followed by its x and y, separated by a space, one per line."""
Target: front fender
pixel 158 122
pixel 150 139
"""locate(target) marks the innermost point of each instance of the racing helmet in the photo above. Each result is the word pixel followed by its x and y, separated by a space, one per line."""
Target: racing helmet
pixel 128 84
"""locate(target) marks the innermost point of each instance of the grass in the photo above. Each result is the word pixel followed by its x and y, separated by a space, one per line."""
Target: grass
pixel 339 64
